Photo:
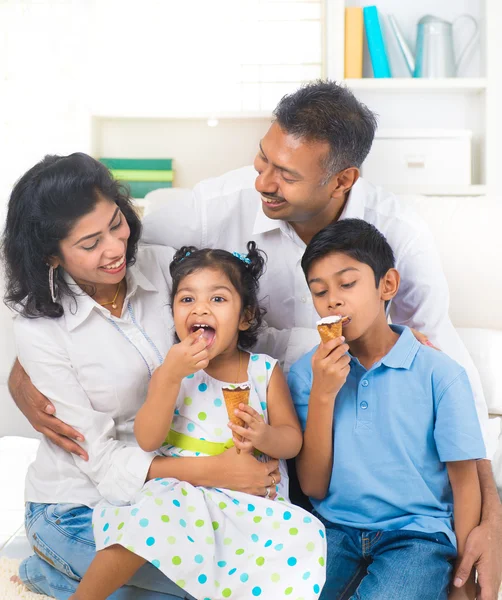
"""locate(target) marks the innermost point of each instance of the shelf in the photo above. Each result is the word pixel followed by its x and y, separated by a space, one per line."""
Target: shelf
pixel 438 190
pixel 144 113
pixel 464 84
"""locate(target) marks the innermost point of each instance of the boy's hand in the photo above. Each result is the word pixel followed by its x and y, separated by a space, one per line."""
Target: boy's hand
pixel 255 431
pixel 186 357
pixel 330 367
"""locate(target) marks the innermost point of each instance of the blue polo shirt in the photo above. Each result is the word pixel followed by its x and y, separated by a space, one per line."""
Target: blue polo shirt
pixel 395 427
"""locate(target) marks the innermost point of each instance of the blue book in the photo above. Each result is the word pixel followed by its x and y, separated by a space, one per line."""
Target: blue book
pixel 376 46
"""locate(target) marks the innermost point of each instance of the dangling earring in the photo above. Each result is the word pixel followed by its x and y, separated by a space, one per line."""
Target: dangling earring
pixel 52 287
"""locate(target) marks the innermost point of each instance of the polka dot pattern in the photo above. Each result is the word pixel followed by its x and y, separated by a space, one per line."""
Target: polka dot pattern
pixel 214 542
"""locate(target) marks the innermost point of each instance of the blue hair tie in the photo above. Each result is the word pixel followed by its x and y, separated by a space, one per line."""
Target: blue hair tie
pixel 242 257
pixel 186 254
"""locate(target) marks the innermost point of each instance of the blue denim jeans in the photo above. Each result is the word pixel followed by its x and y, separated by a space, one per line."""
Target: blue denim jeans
pixel 386 565
pixel 62 539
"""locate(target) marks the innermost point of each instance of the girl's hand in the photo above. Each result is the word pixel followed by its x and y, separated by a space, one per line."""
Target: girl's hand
pixel 330 366
pixel 243 473
pixel 254 433
pixel 186 357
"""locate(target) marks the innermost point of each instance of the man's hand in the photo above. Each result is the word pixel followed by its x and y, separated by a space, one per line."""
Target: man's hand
pixel 330 367
pixel 40 413
pixel 483 550
pixel 423 339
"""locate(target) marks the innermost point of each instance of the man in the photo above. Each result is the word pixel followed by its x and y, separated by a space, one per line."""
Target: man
pixel 308 176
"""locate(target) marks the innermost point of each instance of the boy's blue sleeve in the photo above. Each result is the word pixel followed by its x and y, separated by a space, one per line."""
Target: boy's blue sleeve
pixel 300 383
pixel 457 432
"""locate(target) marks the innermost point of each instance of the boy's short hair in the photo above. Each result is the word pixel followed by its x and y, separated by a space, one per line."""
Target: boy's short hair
pixel 355 238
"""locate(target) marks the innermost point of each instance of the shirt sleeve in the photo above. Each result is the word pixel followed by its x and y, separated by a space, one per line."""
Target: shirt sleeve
pixel 181 221
pixel 423 303
pixel 456 430
pixel 118 470
pixel 300 385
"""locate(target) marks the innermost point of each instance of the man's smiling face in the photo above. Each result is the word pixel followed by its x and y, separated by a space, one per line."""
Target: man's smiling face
pixel 291 177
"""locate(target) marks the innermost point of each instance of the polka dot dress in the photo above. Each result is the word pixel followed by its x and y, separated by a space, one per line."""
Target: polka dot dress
pixel 216 543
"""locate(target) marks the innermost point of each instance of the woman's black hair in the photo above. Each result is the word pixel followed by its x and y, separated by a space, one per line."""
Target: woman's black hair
pixel 243 272
pixel 44 206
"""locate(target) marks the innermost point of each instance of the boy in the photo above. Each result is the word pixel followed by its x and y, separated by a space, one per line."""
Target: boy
pixel 390 432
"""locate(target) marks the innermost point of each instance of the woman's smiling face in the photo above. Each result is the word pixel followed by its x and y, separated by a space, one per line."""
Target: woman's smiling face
pixel 94 252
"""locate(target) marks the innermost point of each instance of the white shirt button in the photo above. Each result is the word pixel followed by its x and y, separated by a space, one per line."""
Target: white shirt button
pixel 365 383
pixel 364 405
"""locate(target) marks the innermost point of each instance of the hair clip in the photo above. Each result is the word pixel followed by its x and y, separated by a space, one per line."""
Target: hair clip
pixel 186 254
pixel 242 257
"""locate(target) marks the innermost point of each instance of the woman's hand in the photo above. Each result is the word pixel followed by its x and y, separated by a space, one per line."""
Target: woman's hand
pixel 243 473
pixel 185 358
pixel 255 432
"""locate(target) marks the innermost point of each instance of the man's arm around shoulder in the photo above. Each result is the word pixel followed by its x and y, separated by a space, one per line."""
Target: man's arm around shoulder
pixel 40 412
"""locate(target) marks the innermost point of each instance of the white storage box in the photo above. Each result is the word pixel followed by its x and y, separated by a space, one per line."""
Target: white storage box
pixel 419 157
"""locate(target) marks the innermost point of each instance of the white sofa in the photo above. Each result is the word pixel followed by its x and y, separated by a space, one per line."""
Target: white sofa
pixel 467 232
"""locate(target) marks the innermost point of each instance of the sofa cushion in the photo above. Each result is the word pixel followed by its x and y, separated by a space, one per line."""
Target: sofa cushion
pixel 485 348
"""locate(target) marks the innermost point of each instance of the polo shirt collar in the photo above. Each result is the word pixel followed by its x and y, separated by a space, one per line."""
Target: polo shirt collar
pixel 402 354
pixel 78 309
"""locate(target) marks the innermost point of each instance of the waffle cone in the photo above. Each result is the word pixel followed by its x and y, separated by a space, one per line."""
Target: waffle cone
pixel 234 397
pixel 330 331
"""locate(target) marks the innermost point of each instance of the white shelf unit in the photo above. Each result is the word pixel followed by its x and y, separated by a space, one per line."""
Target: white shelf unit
pixel 207 142
pixel 470 101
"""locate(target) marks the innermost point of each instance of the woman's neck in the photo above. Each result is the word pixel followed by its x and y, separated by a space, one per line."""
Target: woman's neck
pixel 230 366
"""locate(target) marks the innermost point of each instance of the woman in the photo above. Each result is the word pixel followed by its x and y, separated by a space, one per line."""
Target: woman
pixel 93 323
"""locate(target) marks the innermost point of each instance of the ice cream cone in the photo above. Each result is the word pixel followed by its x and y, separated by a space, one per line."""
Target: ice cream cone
pixel 330 328
pixel 233 396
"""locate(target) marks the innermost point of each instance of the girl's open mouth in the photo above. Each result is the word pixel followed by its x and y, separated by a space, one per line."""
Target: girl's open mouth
pixel 208 332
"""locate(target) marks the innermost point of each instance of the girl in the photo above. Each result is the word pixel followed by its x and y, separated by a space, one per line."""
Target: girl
pixel 214 543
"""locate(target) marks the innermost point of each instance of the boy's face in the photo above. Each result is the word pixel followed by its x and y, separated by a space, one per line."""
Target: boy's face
pixel 341 285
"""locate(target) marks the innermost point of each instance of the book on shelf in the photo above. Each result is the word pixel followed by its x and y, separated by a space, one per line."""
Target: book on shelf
pixel 376 45
pixel 139 189
pixel 138 175
pixel 149 164
pixel 354 34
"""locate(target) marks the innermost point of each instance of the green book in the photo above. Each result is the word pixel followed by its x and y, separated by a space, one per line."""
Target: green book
pixel 136 175
pixel 139 189
pixel 152 164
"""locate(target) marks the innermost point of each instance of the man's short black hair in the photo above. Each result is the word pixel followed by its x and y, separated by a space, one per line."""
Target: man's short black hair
pixel 355 238
pixel 325 111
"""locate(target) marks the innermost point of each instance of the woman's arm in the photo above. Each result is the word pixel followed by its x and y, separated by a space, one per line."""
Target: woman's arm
pixel 467 513
pixel 117 469
pixel 282 437
pixel 239 472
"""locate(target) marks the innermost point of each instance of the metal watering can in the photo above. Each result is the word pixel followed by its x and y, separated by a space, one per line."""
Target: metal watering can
pixel 435 55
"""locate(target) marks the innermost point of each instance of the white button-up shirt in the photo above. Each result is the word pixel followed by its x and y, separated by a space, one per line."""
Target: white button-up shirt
pixel 225 212
pixel 95 369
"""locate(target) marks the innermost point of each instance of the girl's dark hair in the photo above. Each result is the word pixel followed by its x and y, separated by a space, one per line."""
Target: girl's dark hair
pixel 44 206
pixel 243 275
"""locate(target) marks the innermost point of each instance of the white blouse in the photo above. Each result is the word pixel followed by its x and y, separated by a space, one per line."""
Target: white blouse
pixel 95 369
